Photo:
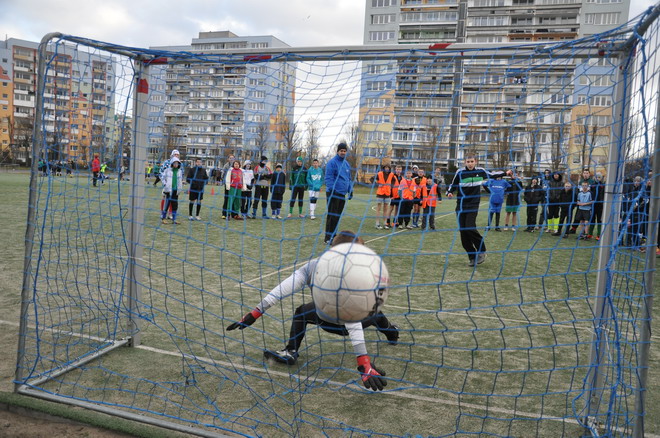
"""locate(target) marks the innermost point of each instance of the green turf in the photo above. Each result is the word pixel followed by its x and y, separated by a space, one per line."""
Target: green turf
pixel 482 350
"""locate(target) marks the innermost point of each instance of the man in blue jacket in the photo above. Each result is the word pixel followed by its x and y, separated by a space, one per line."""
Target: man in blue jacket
pixel 338 184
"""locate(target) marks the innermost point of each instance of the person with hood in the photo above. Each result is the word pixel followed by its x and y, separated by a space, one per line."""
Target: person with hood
pixel 163 167
pixel 297 185
pixel 246 196
pixel 197 178
pixel 262 176
pixel 544 182
pixel 314 184
pixel 567 200
pixel 277 189
pixel 172 179
pixel 534 195
pixel 384 182
pixel 555 186
pixel 338 184
pixel 226 170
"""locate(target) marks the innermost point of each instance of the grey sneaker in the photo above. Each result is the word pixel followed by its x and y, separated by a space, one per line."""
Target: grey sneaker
pixel 481 258
pixel 288 357
pixel 472 262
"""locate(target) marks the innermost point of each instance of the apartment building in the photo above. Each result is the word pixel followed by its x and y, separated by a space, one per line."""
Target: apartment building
pixel 209 110
pixel 78 102
pixel 530 115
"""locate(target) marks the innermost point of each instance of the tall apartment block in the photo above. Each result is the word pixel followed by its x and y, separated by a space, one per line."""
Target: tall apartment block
pixel 79 105
pixel 433 111
pixel 209 111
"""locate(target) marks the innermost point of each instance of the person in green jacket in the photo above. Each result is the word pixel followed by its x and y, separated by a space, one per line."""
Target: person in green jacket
pixel 297 185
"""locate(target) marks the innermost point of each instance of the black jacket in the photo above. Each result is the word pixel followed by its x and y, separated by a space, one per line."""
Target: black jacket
pixel 555 186
pixel 278 182
pixel 467 185
pixel 534 195
pixel 197 178
pixel 513 192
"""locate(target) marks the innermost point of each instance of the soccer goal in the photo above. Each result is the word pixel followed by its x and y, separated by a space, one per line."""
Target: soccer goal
pixel 545 331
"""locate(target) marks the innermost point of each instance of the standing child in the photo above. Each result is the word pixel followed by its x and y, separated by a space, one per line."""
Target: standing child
pixel 383 195
pixel 314 184
pixel 197 178
pixel 246 195
pixel 420 182
pixel 395 202
pixel 583 215
pixel 497 188
pixel 566 205
pixel 513 202
pixel 262 175
pixel 172 185
pixel 297 185
pixel 430 198
pixel 277 189
pixel 533 197
pixel 234 186
pixel 407 190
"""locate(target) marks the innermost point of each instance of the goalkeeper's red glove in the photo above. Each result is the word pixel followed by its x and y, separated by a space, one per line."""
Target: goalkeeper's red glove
pixel 247 320
pixel 372 377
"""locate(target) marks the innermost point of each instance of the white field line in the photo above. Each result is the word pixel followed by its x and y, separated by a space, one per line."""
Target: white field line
pixel 396 393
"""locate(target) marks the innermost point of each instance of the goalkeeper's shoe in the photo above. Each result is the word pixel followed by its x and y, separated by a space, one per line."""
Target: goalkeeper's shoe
pixel 285 356
pixel 392 334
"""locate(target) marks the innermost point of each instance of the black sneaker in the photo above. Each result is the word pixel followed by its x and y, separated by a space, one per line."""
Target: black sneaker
pixel 392 334
pixel 287 357
pixel 472 262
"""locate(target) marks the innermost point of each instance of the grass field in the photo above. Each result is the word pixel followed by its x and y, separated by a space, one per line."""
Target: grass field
pixel 502 349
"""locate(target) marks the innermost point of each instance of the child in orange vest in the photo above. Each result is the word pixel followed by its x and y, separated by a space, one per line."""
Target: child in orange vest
pixel 407 190
pixel 430 198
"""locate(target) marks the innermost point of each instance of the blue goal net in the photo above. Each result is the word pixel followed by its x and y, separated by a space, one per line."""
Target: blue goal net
pixel 179 198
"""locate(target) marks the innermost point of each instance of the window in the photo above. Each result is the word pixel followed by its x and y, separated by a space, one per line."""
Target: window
pixel 603 2
pixel 383 18
pixel 423 17
pixel 595 100
pixel 376 69
pixel 381 36
pixel 602 18
pixel 262 69
pixel 382 3
pixel 256 106
pixel 371 118
pixel 257 94
pixel 379 85
pixel 378 103
pixel 259 45
pixel 497 20
pixel 596 80
pixel 487 3
pixel 375 136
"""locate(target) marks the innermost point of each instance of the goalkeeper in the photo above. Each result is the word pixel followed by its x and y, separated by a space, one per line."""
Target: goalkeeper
pixel 372 377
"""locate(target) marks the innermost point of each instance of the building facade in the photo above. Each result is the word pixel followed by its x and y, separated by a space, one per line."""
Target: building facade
pixel 530 115
pixel 78 102
pixel 209 110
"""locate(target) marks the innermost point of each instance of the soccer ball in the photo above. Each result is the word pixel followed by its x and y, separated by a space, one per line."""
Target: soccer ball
pixel 349 284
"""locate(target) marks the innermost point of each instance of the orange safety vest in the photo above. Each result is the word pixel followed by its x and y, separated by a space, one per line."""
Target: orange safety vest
pixel 418 192
pixel 384 187
pixel 408 189
pixel 430 196
pixel 395 184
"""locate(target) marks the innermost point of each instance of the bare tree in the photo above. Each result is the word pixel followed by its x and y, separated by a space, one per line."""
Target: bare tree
pixel 262 139
pixel 530 149
pixel 556 152
pixel 432 143
pixel 587 134
pixel 20 138
pixel 313 134
pixel 227 139
pixel 502 148
pixel 355 142
pixel 290 138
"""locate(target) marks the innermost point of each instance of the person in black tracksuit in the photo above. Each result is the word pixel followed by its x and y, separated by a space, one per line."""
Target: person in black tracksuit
pixel 467 184
pixel 197 178
pixel 534 195
pixel 277 189
pixel 567 200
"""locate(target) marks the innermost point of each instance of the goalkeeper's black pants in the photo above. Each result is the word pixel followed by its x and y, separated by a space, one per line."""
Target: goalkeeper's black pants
pixel 306 314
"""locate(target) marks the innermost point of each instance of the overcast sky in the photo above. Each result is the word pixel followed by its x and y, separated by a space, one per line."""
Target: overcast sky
pixel 144 23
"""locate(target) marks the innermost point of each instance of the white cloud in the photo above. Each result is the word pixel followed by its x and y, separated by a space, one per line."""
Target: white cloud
pixel 144 23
